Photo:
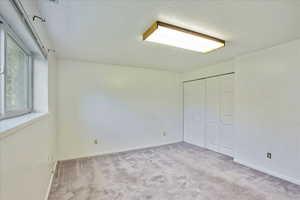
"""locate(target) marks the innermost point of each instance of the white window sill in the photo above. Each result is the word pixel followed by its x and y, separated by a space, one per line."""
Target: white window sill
pixel 9 126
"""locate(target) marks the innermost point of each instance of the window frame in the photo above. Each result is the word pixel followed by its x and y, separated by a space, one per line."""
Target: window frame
pixel 6 31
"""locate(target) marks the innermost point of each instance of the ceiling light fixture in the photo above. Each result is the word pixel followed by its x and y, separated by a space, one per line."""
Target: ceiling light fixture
pixel 168 34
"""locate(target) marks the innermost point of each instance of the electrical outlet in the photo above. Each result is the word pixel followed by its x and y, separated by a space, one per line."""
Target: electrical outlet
pixel 96 141
pixel 269 155
pixel 164 133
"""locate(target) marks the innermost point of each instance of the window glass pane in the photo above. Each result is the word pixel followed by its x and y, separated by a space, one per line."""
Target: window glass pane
pixel 16 80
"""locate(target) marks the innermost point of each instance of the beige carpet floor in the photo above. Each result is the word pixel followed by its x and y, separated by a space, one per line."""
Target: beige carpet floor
pixel 172 172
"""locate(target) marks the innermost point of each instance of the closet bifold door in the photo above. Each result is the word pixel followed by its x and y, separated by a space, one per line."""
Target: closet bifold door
pixel 194 112
pixel 209 114
pixel 219 113
pixel 226 134
pixel 212 113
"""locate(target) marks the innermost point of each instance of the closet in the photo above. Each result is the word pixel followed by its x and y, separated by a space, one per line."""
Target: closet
pixel 208 113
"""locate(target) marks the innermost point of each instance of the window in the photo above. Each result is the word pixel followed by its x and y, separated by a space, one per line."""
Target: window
pixel 15 75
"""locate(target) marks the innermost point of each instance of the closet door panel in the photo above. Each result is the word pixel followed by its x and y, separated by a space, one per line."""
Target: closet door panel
pixel 226 140
pixel 212 134
pixel 227 114
pixel 212 113
pixel 226 107
pixel 212 100
pixel 194 106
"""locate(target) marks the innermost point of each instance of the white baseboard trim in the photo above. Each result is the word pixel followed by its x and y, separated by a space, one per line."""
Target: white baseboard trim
pixel 51 180
pixel 117 151
pixel 269 172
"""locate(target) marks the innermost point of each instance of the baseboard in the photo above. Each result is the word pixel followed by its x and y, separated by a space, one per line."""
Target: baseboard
pixel 119 151
pixel 225 152
pixel 269 172
pixel 51 180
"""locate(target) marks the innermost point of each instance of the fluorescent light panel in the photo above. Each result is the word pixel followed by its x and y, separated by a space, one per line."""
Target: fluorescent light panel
pixel 176 36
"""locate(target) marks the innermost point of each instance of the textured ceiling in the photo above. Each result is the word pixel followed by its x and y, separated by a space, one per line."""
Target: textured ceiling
pixel 110 31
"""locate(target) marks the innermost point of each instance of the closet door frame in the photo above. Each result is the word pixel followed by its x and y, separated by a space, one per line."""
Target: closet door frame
pixel 205 116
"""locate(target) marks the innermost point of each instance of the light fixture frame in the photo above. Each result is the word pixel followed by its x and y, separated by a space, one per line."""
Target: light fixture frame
pixel 155 25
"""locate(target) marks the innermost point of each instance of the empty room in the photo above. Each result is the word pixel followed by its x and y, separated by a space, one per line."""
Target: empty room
pixel 149 100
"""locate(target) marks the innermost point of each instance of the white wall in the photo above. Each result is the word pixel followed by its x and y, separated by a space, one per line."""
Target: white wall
pixel 28 154
pixel 266 108
pixel 123 107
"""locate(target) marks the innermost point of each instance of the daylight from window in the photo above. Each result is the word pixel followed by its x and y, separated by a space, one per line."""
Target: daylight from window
pixel 15 88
